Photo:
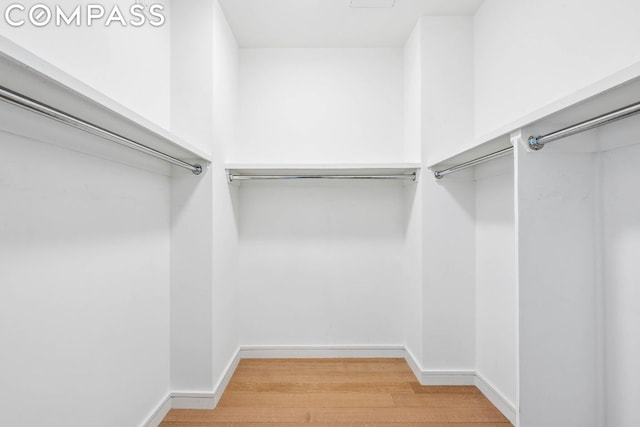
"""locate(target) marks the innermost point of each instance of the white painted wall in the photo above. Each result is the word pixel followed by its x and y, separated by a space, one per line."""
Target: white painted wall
pixel 204 232
pixel 321 263
pixel 321 105
pixel 192 201
pixel 447 85
pixel 621 237
pixel 84 301
pixel 191 282
pixel 495 276
pixel 448 263
pixel 558 279
pixel 85 245
pixel 225 328
pixel 132 65
pixel 413 194
pixel 531 53
pixel 412 55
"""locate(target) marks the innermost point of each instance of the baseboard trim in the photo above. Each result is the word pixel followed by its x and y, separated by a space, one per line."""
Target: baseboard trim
pixel 159 413
pixel 413 364
pixel 466 377
pixel 312 352
pixel 192 400
pixel 226 377
pixel 461 377
pixel 495 397
pixel 448 378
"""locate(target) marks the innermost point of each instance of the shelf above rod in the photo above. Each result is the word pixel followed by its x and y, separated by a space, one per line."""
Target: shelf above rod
pixel 34 106
pixel 407 177
pixel 439 174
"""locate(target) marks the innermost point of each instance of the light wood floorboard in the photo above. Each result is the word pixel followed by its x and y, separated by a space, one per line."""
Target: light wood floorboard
pixel 337 393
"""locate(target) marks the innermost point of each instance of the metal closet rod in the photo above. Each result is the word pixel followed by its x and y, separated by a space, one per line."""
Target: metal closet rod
pixel 29 104
pixel 538 142
pixel 408 177
pixel 457 168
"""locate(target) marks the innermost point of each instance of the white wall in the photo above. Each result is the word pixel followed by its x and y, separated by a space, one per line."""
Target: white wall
pixel 85 245
pixel 413 193
pixel 496 282
pixel 558 278
pixel 321 105
pixel 192 201
pixel 621 219
pixel 531 53
pixel 204 231
pixel 84 301
pixel 132 65
pixel 321 263
pixel 225 230
pixel 448 226
pixel 447 85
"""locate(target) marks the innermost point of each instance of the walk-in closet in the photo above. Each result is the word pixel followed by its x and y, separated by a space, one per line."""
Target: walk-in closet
pixel 339 212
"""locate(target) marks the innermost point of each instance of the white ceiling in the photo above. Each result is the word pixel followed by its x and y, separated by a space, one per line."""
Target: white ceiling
pixel 332 23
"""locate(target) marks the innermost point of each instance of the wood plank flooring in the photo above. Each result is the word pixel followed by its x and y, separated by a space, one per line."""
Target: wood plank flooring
pixel 338 392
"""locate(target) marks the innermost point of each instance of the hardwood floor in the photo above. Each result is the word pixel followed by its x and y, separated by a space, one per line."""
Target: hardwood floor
pixel 338 392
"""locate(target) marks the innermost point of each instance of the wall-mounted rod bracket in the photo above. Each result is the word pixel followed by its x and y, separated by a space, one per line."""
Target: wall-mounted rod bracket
pixel 534 144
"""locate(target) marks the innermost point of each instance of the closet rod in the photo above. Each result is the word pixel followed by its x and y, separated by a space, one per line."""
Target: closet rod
pixel 441 173
pixel 409 177
pixel 29 104
pixel 538 142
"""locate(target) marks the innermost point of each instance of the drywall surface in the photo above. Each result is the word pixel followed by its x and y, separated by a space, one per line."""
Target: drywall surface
pixel 84 301
pixel 448 225
pixel 496 283
pixel 448 273
pixel 191 282
pixel 192 201
pixel 413 95
pixel 529 54
pixel 413 195
pixel 447 84
pixel 130 64
pixel 558 335
pixel 321 263
pixel 321 106
pixel 621 218
pixel 225 231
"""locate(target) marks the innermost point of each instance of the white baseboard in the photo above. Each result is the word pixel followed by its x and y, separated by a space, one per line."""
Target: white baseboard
pixel 159 413
pixel 192 400
pixel 498 400
pixel 466 377
pixel 226 377
pixel 461 377
pixel 413 364
pixel 448 378
pixel 307 352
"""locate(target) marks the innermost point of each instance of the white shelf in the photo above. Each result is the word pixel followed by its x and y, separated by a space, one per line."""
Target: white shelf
pixel 335 169
pixel 30 76
pixel 616 91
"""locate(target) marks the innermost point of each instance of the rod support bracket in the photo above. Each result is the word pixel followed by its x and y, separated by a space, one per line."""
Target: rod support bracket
pixel 438 175
pixel 534 144
pixel 197 169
